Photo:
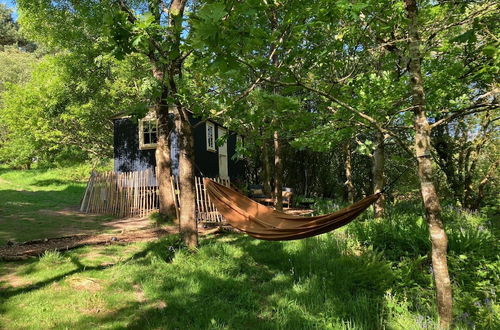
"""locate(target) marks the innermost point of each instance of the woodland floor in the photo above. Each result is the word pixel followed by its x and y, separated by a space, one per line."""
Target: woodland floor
pixel 368 275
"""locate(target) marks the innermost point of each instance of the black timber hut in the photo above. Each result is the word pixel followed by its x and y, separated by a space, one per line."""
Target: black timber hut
pixel 135 144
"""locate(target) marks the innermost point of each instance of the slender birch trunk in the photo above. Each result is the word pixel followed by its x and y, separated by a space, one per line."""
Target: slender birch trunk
pixel 278 173
pixel 425 166
pixel 348 173
pixel 278 162
pixel 378 175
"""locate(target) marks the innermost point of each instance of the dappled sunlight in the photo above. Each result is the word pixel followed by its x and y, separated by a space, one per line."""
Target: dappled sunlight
pixel 370 274
pixel 233 282
pixel 375 123
pixel 28 215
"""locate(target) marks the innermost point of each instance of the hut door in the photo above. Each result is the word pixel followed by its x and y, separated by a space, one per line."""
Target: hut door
pixel 223 172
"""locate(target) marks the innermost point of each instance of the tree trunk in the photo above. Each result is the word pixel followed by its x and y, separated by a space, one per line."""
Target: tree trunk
pixel 306 186
pixel 429 195
pixel 278 163
pixel 187 222
pixel 187 217
pixel 266 170
pixel 348 173
pixel 445 148
pixel 482 184
pixel 278 173
pixel 163 159
pixel 438 235
pixel 378 175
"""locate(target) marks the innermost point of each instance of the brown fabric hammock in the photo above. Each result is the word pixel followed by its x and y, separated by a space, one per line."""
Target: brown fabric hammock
pixel 262 222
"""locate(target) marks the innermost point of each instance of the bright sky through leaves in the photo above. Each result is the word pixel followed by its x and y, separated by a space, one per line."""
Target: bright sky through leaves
pixel 10 4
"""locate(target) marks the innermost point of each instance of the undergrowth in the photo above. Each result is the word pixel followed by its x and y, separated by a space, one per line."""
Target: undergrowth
pixel 473 258
pixel 160 219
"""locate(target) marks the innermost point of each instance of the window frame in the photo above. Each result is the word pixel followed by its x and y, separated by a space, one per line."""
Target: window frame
pixel 212 147
pixel 142 145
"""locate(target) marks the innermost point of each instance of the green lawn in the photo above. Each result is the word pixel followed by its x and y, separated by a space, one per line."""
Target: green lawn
pixel 231 282
pixel 42 204
pixel 369 275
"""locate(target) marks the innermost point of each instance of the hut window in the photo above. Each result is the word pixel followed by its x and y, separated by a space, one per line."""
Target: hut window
pixel 148 133
pixel 210 136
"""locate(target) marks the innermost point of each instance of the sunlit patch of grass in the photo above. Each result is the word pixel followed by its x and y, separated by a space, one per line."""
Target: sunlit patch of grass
pixel 31 201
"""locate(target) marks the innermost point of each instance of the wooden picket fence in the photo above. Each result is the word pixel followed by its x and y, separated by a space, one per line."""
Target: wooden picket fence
pixel 205 209
pixel 121 194
pixel 135 194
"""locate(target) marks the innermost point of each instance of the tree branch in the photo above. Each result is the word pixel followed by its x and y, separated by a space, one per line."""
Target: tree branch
pixel 464 112
pixel 130 15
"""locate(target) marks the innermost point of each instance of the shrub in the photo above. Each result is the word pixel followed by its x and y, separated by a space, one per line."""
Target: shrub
pixel 160 219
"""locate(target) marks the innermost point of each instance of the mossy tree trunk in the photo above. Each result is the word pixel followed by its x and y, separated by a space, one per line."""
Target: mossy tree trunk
pixel 378 175
pixel 348 173
pixel 425 167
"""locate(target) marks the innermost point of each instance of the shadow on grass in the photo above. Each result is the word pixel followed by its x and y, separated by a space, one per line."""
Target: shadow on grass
pixel 238 282
pixel 50 182
pixel 245 283
pixel 7 293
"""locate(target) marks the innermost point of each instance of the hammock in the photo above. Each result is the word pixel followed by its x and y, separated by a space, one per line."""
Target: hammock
pixel 262 222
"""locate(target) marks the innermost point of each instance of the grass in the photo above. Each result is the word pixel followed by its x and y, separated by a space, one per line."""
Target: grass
pixel 374 274
pixel 40 203
pixel 231 282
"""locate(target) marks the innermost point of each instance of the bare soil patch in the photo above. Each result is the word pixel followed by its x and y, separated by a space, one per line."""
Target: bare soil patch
pixel 119 224
pixel 124 231
pixel 90 224
pixel 68 211
pixel 13 280
pixel 128 224
pixel 21 251
pixel 38 247
pixel 85 284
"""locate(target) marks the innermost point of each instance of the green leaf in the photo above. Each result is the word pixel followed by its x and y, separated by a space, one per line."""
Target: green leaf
pixel 490 50
pixel 212 12
pixel 468 36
